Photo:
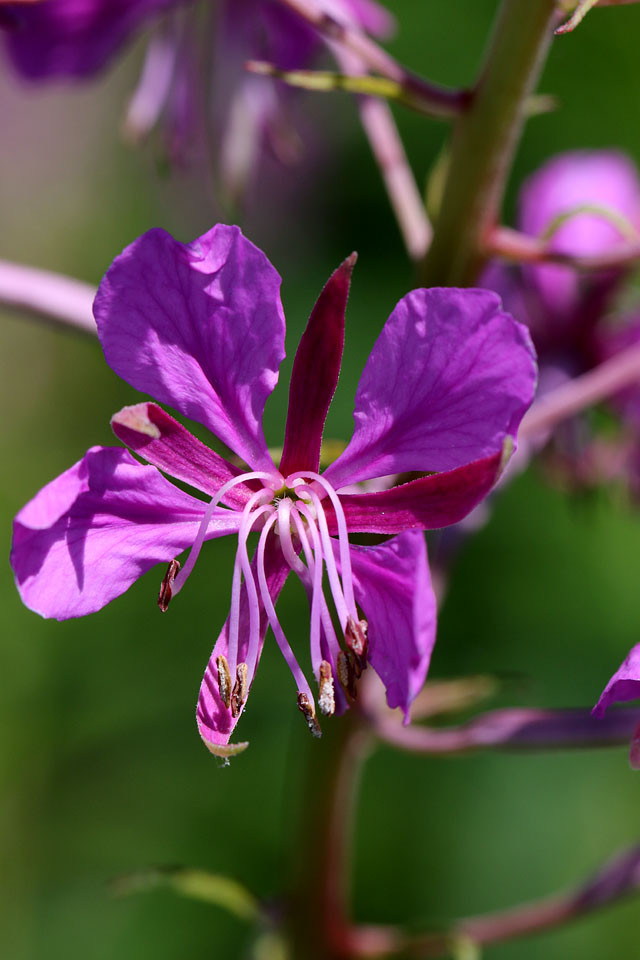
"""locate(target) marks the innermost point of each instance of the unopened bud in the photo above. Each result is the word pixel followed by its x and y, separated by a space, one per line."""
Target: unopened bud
pixel 224 680
pixel 326 698
pixel 166 592
pixel 239 694
pixel 306 708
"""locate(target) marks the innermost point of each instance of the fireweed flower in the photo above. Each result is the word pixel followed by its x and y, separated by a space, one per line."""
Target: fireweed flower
pixel 77 39
pixel 624 686
pixel 200 326
pixel 587 203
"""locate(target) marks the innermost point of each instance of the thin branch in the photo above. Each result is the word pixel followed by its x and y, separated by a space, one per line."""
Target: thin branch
pixel 388 149
pixel 513 729
pixel 520 248
pixel 404 196
pixel 617 879
pixel 605 380
pixel 436 100
pixel 47 296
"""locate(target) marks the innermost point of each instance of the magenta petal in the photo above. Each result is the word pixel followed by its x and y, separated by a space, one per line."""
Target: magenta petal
pixel 601 178
pixel 393 588
pixel 315 373
pixel 371 17
pixel 165 443
pixel 198 326
pixel 448 379
pixel 91 532
pixel 425 504
pixel 624 684
pixel 75 38
pixel 215 721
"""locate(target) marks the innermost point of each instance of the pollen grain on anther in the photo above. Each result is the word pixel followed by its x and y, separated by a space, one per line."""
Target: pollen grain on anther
pixel 326 698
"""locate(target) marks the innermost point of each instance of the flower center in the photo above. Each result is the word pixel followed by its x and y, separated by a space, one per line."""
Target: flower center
pixel 293 510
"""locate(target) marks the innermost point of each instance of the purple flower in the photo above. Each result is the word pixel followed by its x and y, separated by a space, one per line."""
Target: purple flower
pixel 590 201
pixel 200 327
pixel 624 686
pixel 77 39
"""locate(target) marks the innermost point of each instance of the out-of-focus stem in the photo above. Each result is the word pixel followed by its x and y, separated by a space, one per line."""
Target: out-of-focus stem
pixel 436 100
pixel 513 245
pixel 605 380
pixel 617 879
pixel 318 914
pixel 404 196
pixel 514 729
pixel 484 141
pixel 47 296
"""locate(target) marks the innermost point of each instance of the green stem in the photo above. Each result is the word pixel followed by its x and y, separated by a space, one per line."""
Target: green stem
pixel 318 920
pixel 484 141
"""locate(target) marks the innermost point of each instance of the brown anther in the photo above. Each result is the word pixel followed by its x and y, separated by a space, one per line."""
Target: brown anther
pixel 306 708
pixel 164 597
pixel 356 636
pixel 326 697
pixel 224 680
pixel 239 694
pixel 348 672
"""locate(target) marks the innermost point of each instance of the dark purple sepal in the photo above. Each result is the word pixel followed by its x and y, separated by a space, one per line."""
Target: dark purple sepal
pixel 315 373
pixel 425 504
pixel 151 433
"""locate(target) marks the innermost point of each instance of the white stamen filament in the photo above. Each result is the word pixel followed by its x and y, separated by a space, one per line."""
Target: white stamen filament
pixel 283 643
pixel 190 562
pixel 343 534
pixel 243 566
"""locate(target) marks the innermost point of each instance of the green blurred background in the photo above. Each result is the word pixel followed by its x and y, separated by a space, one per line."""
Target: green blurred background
pixel 101 768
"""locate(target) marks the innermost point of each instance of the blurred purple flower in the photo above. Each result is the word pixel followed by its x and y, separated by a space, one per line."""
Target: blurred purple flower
pixel 589 201
pixel 624 686
pixel 76 39
pixel 200 326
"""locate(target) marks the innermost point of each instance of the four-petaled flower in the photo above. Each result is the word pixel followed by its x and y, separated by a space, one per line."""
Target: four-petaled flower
pixel 200 327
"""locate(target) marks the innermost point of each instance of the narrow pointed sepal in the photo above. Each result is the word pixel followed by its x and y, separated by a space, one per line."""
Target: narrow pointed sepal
pixel 315 373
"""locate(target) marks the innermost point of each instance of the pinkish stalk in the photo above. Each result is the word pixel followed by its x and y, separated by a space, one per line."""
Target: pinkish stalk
pixel 605 380
pixel 438 101
pixel 513 245
pixel 150 96
pixel 48 296
pixel 388 149
pixel 513 729
pixel 404 196
pixel 617 879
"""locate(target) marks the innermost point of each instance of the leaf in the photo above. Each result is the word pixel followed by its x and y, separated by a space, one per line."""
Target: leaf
pixel 212 888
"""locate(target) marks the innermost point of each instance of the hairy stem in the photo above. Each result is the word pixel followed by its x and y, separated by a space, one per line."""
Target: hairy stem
pixel 484 142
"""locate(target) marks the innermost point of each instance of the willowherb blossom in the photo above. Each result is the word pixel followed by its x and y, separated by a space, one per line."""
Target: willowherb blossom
pixel 587 203
pixel 584 203
pixel 200 327
pixel 186 56
pixel 623 686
